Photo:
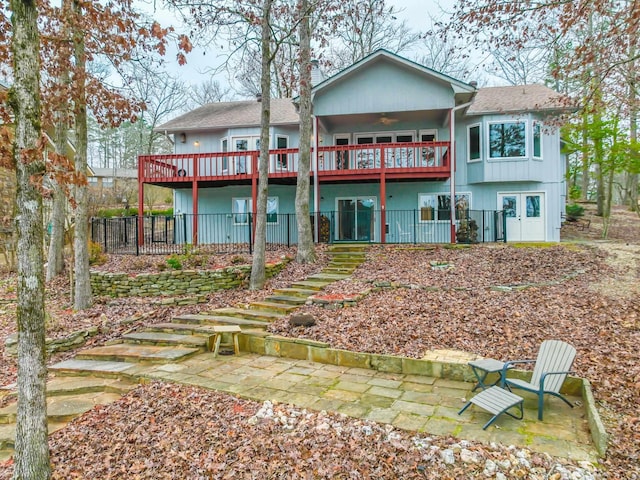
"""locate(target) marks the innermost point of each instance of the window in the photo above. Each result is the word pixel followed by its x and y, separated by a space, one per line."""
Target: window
pixel 93 181
pixel 282 142
pixel 272 210
pixel 428 154
pixel 342 156
pixel 438 206
pixel 107 182
pixel 225 148
pixel 507 140
pixel 537 146
pixel 241 207
pixel 473 143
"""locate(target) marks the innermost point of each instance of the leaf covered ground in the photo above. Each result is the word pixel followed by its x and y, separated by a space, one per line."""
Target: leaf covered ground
pixel 586 295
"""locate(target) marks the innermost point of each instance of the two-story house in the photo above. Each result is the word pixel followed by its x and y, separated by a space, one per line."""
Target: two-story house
pixel 393 143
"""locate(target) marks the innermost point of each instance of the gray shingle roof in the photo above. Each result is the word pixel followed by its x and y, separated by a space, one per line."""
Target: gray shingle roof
pixel 232 114
pixel 520 98
pixel 115 172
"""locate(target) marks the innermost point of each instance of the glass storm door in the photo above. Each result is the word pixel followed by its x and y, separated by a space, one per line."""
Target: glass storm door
pixel 355 219
pixel 525 216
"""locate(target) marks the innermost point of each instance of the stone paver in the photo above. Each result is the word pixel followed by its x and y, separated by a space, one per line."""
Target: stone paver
pixel 413 402
pixel 410 402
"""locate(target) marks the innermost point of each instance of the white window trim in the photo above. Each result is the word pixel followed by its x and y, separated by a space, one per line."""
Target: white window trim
pixel 526 141
pixel 469 127
pixel 234 213
pixel 340 136
pixel 428 131
pixel 277 222
pixel 276 158
pixel 224 159
pixel 435 207
pixel 373 217
pixel 533 137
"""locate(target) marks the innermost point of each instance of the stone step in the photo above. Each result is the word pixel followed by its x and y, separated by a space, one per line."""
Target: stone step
pixel 348 257
pixel 250 314
pixel 209 320
pixel 127 352
pixel 8 437
pixel 63 408
pixel 286 299
pixel 338 270
pixel 276 307
pixel 344 264
pixel 312 285
pixel 296 292
pixel 99 368
pixel 166 339
pixel 330 277
pixel 87 384
pixel 5 454
pixel 353 249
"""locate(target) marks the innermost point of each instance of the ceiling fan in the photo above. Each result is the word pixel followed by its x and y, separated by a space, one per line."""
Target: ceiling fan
pixel 384 120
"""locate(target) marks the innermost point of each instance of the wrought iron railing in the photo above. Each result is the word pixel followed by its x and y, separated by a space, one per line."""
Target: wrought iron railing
pixel 233 232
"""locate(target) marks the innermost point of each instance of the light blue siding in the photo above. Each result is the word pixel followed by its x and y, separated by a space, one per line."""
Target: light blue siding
pixel 383 86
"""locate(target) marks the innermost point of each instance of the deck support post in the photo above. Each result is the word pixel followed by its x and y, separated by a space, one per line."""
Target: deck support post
pixel 194 221
pixel 254 193
pixel 140 204
pixel 383 197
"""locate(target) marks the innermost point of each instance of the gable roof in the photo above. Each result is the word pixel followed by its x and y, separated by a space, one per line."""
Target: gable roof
pixel 457 85
pixel 232 114
pixel 518 99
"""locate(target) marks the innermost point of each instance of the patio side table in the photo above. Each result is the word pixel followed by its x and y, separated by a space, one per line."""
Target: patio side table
pixel 484 367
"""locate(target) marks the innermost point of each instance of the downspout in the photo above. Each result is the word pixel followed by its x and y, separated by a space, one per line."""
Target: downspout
pixel 452 161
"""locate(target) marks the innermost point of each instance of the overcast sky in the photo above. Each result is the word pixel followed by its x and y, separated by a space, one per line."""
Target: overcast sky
pixel 415 12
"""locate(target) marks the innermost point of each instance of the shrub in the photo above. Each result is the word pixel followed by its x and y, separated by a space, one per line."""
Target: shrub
pixel 574 210
pixel 96 255
pixel 174 262
pixel 238 260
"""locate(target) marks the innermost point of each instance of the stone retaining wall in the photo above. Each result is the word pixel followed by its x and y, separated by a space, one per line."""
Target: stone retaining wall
pixel 178 282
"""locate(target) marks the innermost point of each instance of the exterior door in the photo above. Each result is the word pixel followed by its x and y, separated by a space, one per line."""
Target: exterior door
pixel 356 219
pixel 242 144
pixel 525 216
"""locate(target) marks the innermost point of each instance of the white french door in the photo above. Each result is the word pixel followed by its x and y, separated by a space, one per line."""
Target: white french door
pixel 242 163
pixel 525 216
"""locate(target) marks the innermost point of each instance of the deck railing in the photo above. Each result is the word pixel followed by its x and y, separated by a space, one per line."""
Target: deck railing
pixel 332 160
pixel 233 232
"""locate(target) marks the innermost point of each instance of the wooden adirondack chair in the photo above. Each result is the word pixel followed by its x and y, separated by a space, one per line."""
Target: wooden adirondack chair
pixel 551 369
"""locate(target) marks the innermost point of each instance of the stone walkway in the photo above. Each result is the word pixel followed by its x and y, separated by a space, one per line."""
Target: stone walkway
pixel 412 402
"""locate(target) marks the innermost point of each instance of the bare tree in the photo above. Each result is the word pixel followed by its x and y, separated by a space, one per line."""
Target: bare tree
pixel 161 94
pixel 209 91
pixel 306 252
pixel 258 265
pixel 32 450
pixel 367 26
pixel 521 66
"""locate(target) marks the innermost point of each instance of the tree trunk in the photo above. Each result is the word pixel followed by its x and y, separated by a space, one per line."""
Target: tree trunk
pixel 258 267
pixel 55 258
pixel 584 187
pixel 306 251
pixel 82 297
pixel 32 449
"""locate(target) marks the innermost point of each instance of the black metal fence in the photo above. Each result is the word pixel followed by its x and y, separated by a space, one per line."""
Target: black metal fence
pixel 232 232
